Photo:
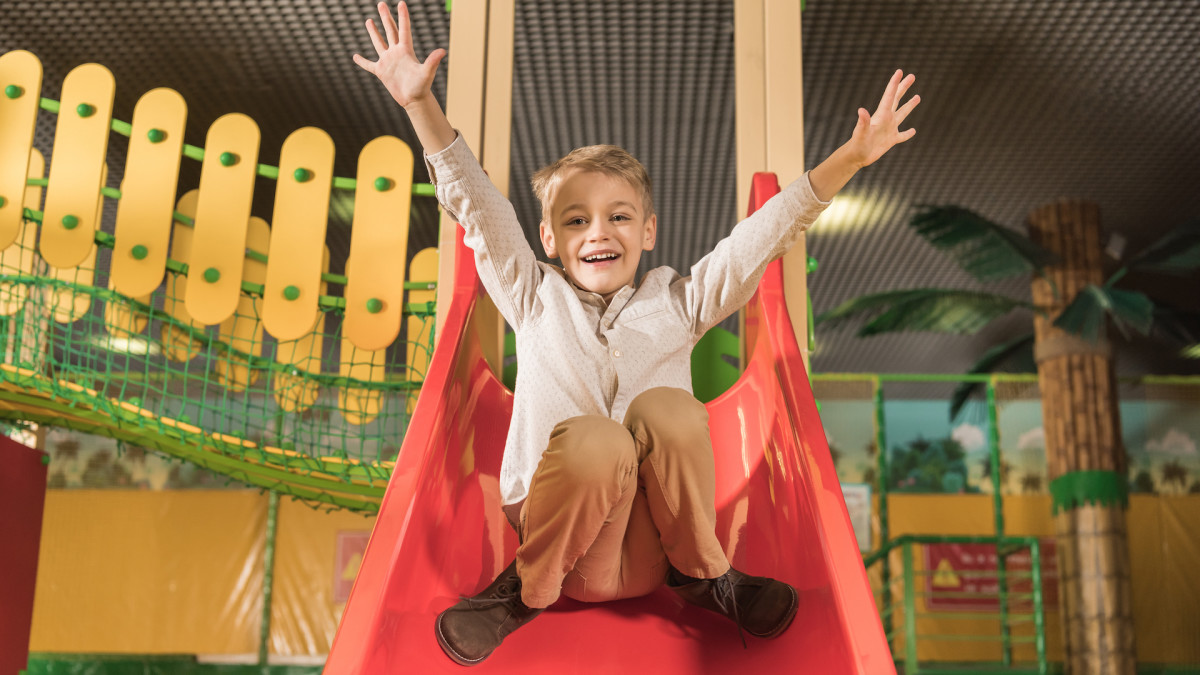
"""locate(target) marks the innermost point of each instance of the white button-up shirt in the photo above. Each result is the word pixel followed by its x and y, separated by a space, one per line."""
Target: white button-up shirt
pixel 578 355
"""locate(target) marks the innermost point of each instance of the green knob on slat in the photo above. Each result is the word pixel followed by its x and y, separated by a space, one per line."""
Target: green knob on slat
pixel 45 459
pixel 302 175
pixel 139 252
pixel 812 264
pixel 374 305
pixel 70 222
pixel 85 109
pixel 228 159
pixel 212 275
pixel 185 419
pixel 383 184
pixel 291 293
pixel 135 401
pixel 156 135
pixel 3 201
pixel 13 91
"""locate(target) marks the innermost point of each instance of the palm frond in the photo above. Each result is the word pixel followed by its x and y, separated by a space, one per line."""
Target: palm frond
pixel 1085 315
pixel 938 310
pixel 1014 356
pixel 1177 252
pixel 985 250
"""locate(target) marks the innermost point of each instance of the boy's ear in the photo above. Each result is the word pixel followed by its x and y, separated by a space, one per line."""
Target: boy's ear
pixel 546 234
pixel 651 234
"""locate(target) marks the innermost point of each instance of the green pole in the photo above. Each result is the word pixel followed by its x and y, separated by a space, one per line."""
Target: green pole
pixel 884 530
pixel 264 636
pixel 1039 626
pixel 998 512
pixel 910 612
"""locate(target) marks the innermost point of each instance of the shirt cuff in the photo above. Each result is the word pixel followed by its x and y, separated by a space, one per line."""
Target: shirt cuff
pixel 445 165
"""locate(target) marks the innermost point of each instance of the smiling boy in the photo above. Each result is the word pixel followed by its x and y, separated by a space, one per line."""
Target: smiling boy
pixel 608 472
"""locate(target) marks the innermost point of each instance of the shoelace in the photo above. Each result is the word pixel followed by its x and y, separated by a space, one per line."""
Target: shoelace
pixel 504 593
pixel 723 594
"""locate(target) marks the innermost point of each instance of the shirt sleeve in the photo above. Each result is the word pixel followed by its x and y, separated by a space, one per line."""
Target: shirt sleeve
pixel 506 264
pixel 725 279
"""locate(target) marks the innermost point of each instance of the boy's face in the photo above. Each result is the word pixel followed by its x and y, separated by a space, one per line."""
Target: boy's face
pixel 597 225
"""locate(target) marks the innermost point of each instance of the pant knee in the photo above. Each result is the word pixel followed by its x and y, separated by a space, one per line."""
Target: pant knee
pixel 589 449
pixel 671 415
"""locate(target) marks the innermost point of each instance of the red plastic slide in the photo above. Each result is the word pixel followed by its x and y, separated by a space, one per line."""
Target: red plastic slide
pixel 440 532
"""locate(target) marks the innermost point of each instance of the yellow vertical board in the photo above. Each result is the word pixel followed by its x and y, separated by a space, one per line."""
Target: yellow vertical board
pixel 418 345
pixel 298 233
pixel 222 216
pixel 80 143
pixel 378 244
pixel 293 391
pixel 243 332
pixel 360 405
pixel 148 193
pixel 19 257
pixel 21 78
pixel 70 304
pixel 177 342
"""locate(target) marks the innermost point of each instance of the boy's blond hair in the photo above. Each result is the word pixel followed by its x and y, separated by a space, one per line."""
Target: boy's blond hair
pixel 609 160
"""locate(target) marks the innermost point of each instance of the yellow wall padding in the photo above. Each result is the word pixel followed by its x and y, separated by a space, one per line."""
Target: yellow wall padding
pixel 80 144
pixel 304 611
pixel 1164 553
pixel 18 118
pixel 19 258
pixel 298 233
pixel 148 193
pixel 143 572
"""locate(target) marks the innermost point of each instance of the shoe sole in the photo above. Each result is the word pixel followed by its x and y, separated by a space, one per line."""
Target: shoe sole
pixel 787 621
pixel 454 656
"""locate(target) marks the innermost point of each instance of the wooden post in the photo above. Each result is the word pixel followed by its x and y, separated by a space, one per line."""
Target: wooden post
pixel 479 105
pixel 770 125
pixel 1084 450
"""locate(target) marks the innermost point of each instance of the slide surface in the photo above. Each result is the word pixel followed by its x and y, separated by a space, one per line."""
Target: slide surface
pixel 440 532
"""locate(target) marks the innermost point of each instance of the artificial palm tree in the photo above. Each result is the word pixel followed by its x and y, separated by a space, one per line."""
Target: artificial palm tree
pixel 1073 305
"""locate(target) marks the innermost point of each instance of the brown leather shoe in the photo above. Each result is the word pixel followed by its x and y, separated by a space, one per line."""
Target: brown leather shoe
pixel 472 629
pixel 762 607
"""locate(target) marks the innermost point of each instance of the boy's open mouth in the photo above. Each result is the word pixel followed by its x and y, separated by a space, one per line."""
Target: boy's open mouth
pixel 601 257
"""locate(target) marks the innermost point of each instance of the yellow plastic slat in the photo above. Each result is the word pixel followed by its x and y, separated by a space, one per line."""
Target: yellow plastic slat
pixel 20 257
pixel 80 143
pixel 379 244
pixel 222 216
pixel 360 405
pixel 18 119
pixel 244 330
pixel 68 304
pixel 178 344
pixel 298 233
pixel 124 321
pixel 293 392
pixel 418 347
pixel 148 193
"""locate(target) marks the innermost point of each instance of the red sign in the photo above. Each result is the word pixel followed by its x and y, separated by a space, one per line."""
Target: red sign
pixel 347 560
pixel 963 577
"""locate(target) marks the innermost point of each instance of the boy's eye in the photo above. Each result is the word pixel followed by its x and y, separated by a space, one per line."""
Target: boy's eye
pixel 576 221
pixel 620 216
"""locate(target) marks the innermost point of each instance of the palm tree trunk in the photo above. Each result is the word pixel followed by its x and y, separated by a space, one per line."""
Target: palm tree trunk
pixel 1084 450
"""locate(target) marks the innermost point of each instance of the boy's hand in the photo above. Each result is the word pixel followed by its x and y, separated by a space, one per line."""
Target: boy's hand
pixel 875 134
pixel 406 78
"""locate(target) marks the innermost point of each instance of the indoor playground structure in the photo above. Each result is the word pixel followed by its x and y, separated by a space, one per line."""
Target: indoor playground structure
pixel 367 411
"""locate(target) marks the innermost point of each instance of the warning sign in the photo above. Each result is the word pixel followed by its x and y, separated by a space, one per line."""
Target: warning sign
pixel 347 560
pixel 964 577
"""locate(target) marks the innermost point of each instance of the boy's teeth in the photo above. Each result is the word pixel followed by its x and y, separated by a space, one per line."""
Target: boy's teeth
pixel 601 256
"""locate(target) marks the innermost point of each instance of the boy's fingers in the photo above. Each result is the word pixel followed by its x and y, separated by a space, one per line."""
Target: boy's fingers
pixel 433 61
pixel 366 65
pixel 404 31
pixel 907 108
pixel 886 102
pixel 376 41
pixel 903 88
pixel 389 24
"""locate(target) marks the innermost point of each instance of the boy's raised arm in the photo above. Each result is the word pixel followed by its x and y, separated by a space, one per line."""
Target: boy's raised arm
pixel 873 136
pixel 407 78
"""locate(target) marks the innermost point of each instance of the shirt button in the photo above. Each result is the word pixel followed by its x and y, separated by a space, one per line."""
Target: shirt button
pixel 617 353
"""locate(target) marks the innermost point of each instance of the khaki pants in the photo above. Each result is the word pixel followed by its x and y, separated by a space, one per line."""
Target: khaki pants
pixel 611 506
